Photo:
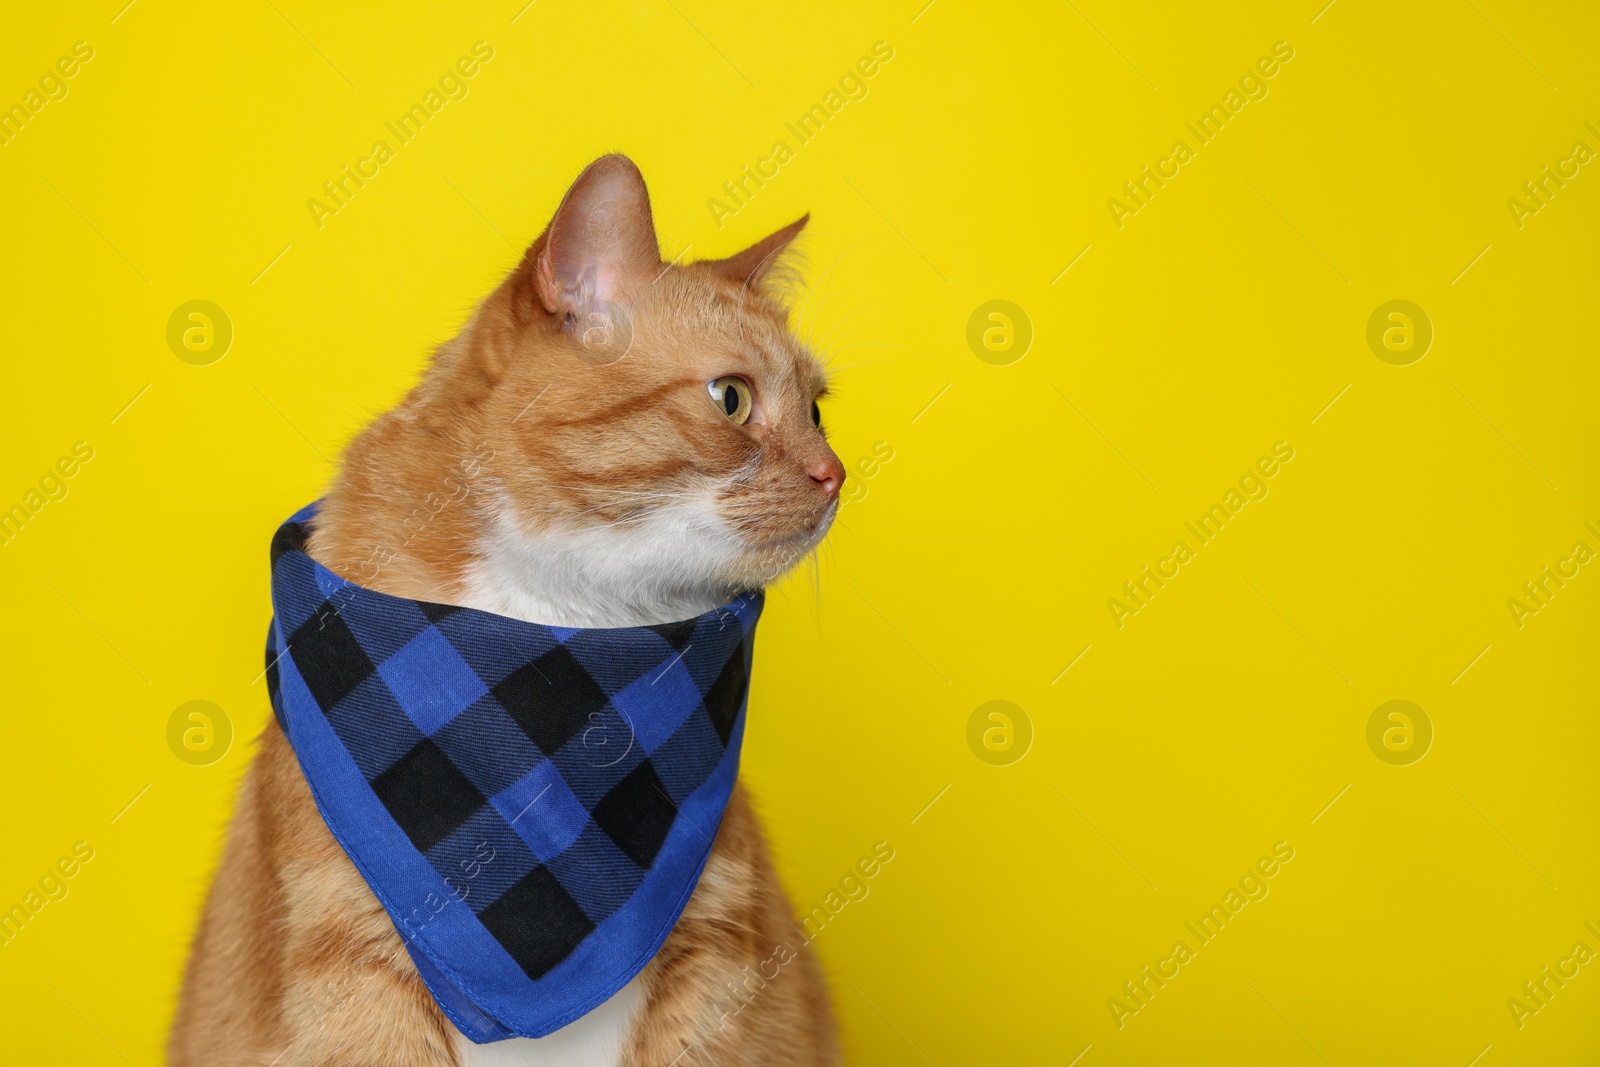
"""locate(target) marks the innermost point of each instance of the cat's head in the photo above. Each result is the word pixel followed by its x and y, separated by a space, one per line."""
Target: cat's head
pixel 642 421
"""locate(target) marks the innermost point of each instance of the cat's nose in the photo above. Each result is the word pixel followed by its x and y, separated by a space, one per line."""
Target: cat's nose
pixel 828 472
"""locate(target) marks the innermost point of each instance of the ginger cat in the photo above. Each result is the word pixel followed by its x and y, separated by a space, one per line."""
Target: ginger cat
pixel 610 441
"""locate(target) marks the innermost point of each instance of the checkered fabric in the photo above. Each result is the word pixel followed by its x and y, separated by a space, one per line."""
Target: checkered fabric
pixel 532 805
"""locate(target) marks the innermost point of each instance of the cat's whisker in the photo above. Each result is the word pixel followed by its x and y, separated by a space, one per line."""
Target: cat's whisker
pixel 860 363
pixel 824 302
pixel 821 286
pixel 875 344
pixel 823 345
pixel 821 303
pixel 683 494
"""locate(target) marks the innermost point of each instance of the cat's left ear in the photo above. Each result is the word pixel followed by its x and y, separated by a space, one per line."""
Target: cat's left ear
pixel 601 243
pixel 755 264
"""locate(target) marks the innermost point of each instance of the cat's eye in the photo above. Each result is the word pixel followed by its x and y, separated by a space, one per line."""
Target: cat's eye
pixel 733 396
pixel 816 415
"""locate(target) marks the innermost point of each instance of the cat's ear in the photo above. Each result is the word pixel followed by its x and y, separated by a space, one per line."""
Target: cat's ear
pixel 757 263
pixel 602 241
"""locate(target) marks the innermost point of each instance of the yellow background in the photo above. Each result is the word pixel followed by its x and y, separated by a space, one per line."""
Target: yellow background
pixel 1223 317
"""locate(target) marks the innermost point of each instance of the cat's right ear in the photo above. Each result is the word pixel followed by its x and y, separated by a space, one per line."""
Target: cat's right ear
pixel 602 241
pixel 758 263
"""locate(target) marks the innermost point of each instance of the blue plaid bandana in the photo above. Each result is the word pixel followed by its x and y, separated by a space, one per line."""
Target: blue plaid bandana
pixel 532 805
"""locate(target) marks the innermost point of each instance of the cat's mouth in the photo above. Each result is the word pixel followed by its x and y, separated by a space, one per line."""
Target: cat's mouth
pixel 799 542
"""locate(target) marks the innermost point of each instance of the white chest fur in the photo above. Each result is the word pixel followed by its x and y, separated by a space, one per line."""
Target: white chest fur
pixel 596 1040
pixel 662 568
